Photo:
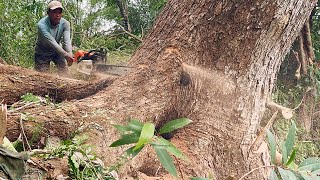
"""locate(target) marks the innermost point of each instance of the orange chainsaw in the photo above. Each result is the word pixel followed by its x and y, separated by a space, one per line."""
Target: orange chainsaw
pixel 95 61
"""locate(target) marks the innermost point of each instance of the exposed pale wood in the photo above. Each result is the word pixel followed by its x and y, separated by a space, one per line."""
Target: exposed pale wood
pixel 262 133
pixel 3 122
pixel 286 112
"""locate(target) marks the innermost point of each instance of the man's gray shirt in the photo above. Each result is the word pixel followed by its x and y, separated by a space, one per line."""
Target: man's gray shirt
pixel 49 37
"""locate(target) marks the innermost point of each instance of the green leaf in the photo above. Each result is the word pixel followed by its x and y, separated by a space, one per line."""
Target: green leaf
pixel 120 127
pixel 198 178
pixel 125 140
pixel 147 133
pixel 284 153
pixel 307 176
pixel 8 145
pixel 273 175
pixel 171 148
pixel 316 172
pixel 165 160
pixel 292 157
pixel 73 163
pixel 310 164
pixel 135 126
pixel 174 124
pixel 286 174
pixel 272 144
pixel 289 143
pixel 133 153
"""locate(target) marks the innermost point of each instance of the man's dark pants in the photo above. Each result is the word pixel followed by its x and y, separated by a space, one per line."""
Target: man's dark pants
pixel 42 63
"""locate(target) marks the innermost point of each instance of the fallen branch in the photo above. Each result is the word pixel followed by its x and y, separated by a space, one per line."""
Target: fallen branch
pixel 131 35
pixel 286 112
pixel 23 132
pixel 17 81
pixel 270 166
pixel 263 131
pixel 22 107
pixel 35 152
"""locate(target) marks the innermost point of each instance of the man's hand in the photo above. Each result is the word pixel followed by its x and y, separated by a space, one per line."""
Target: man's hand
pixel 69 59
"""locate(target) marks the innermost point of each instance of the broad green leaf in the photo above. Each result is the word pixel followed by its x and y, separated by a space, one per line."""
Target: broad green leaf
pixel 307 176
pixel 8 145
pixel 272 144
pixel 174 124
pixel 125 140
pixel 147 133
pixel 286 174
pixel 199 178
pixel 133 153
pixel 284 153
pixel 131 135
pixel 292 157
pixel 308 161
pixel 310 164
pixel 120 127
pixel 316 172
pixel 171 148
pixel 165 160
pixel 273 176
pixel 135 126
pixel 289 143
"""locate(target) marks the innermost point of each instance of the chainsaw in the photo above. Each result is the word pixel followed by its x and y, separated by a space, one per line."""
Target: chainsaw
pixel 87 62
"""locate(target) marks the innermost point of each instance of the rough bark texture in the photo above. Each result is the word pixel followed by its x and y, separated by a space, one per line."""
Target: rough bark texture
pixel 214 62
pixel 16 82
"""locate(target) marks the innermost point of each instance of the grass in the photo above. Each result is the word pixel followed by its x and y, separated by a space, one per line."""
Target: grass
pixel 118 57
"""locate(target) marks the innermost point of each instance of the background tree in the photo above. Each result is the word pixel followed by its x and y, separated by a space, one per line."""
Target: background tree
pixel 17 30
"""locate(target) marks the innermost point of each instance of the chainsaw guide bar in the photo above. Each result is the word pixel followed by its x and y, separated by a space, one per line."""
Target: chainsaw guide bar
pixel 112 69
pixel 95 61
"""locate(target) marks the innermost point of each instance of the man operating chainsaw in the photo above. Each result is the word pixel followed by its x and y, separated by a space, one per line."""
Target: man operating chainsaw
pixel 53 29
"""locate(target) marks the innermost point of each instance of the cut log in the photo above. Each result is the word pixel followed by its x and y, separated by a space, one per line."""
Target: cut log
pixel 16 81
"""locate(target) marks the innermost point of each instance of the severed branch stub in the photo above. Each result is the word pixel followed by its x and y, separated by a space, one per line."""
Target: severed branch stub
pixel 286 112
pixel 3 122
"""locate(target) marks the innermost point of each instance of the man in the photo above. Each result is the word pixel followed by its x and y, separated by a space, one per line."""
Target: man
pixel 51 30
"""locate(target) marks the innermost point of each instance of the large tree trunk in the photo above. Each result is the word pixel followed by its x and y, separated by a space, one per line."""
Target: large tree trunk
pixel 214 62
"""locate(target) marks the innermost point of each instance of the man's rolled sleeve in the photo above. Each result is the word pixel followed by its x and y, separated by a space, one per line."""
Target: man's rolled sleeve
pixel 66 37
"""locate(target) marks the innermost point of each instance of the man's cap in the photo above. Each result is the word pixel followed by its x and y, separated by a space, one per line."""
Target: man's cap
pixel 54 5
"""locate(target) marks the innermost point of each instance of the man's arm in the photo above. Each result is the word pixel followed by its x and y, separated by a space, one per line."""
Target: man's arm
pixel 66 37
pixel 67 42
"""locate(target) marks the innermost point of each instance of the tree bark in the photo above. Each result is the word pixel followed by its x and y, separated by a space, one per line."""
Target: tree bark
pixel 214 62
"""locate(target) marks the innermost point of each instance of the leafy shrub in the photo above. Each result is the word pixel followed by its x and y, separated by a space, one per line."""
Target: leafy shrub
pixel 144 134
pixel 286 167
